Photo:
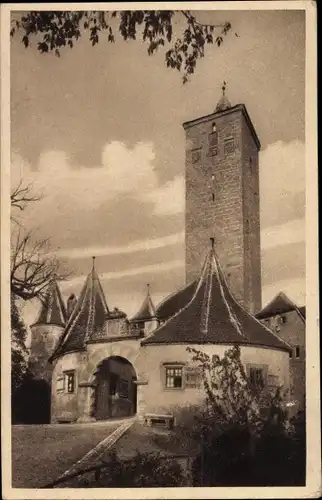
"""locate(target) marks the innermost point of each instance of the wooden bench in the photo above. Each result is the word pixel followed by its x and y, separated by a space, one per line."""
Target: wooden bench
pixel 154 418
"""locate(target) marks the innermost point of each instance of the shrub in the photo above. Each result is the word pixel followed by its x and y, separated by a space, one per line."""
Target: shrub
pixel 143 470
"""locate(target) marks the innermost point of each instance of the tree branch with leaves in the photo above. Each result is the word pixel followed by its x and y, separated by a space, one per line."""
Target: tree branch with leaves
pixel 59 29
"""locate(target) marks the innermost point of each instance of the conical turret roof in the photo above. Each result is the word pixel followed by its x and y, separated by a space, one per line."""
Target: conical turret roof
pixel 147 309
pixel 214 316
pixel 53 310
pixel 88 318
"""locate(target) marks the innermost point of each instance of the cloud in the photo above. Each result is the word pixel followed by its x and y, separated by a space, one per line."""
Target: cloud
pixel 154 268
pixel 282 182
pixel 124 171
pixel 138 246
pixel 294 288
pixel 292 231
pixel 170 198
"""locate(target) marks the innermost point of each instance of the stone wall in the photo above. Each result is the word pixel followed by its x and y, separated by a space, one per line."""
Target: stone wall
pixel 44 339
pixel 79 406
pixel 293 332
pixel 160 399
pixel 219 203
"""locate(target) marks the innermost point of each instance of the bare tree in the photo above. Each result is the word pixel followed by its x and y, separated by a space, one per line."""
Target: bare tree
pixel 33 266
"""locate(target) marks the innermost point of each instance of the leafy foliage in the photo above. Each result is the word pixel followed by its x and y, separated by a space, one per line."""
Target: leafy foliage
pixel 58 29
pixel 230 397
pixel 245 437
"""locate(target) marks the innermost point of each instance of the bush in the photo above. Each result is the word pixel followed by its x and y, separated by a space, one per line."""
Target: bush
pixel 143 470
pixel 31 402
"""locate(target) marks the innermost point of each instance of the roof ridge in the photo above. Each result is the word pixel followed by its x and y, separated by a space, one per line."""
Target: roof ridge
pixel 52 296
pixel 221 275
pixel 252 315
pixel 183 287
pixel 180 310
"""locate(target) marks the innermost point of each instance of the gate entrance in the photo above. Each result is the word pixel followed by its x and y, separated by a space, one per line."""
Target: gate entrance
pixel 116 389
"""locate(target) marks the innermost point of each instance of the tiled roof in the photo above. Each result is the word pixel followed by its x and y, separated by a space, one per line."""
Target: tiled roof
pixel 281 304
pixel 213 316
pixel 176 301
pixel 53 310
pixel 147 309
pixel 88 318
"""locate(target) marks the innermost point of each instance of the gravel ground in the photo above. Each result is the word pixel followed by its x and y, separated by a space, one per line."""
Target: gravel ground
pixel 40 453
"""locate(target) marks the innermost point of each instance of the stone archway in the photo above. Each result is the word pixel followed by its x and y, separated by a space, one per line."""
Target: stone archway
pixel 88 376
pixel 115 389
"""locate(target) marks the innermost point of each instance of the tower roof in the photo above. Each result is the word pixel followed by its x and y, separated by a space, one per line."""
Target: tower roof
pixel 280 304
pixel 53 310
pixel 213 316
pixel 223 102
pixel 147 309
pixel 176 301
pixel 88 318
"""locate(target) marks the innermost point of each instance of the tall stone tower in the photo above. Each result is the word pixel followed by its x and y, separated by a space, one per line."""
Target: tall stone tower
pixel 46 332
pixel 222 198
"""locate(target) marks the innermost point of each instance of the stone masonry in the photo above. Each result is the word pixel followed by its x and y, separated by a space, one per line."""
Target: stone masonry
pixel 222 199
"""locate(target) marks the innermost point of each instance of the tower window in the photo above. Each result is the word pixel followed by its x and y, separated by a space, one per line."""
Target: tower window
pixel 297 351
pixel 214 128
pixel 213 139
pixel 213 196
pixel 213 143
pixel 195 155
pixel 69 381
pixel 229 145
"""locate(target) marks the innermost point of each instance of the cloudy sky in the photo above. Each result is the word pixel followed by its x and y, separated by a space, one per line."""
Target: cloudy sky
pixel 99 132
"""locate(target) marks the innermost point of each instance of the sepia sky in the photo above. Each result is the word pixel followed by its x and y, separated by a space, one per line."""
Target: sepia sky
pixel 99 132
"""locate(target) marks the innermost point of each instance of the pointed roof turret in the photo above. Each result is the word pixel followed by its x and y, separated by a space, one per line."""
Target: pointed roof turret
pixel 223 102
pixel 53 310
pixel 88 318
pixel 213 316
pixel 147 309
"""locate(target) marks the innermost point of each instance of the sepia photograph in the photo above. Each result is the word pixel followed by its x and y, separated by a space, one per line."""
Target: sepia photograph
pixel 159 268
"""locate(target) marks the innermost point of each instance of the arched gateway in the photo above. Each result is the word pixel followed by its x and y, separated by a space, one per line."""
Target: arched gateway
pixel 115 389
